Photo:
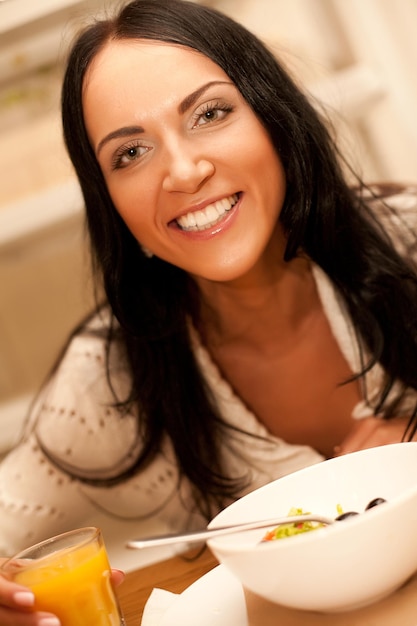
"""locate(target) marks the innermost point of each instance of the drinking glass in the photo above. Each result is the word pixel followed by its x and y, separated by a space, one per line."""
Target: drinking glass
pixel 70 576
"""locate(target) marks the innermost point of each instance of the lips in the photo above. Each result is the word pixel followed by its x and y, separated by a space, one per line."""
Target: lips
pixel 209 216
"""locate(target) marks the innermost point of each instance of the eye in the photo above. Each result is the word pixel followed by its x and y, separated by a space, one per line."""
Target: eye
pixel 129 153
pixel 211 112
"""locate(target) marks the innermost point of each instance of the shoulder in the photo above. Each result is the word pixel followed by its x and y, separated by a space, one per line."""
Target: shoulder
pixel 394 207
pixel 396 193
pixel 76 419
pixel 92 365
pixel 388 199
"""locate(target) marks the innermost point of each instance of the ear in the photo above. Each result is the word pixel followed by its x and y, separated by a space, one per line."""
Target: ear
pixel 148 253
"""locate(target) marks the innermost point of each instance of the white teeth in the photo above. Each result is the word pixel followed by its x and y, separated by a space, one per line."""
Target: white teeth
pixel 200 220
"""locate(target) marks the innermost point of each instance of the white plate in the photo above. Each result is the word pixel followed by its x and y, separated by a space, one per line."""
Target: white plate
pixel 215 599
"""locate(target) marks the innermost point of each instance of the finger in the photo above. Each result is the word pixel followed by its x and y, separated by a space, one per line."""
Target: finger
pixel 10 617
pixel 117 577
pixel 15 596
pixel 16 607
pixel 359 436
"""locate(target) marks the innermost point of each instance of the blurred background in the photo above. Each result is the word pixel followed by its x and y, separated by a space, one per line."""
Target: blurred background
pixel 357 57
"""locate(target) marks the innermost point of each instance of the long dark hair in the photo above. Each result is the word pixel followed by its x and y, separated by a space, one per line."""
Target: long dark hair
pixel 322 216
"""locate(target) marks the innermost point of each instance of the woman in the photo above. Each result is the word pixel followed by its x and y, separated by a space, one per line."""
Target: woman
pixel 258 312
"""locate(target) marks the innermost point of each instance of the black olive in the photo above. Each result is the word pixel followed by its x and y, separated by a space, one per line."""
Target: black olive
pixel 343 516
pixel 374 502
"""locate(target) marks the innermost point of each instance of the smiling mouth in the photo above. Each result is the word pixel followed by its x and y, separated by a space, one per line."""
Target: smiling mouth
pixel 209 216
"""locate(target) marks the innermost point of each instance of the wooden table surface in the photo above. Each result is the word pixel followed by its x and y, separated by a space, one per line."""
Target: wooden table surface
pixel 178 573
pixel 174 574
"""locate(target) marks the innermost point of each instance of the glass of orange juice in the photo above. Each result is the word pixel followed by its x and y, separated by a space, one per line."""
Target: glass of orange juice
pixel 70 576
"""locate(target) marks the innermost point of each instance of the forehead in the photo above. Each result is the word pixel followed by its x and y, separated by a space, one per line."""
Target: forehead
pixel 150 66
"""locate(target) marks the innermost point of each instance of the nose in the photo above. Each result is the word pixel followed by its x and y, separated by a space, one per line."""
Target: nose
pixel 187 172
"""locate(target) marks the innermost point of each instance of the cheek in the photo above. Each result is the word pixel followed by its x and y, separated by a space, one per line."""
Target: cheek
pixel 134 202
pixel 259 158
pixel 269 172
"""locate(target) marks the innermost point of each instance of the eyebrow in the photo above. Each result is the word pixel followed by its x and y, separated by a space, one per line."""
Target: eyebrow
pixel 184 105
pixel 194 96
pixel 126 131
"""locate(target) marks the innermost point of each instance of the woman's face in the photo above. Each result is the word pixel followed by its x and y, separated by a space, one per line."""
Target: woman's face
pixel 188 165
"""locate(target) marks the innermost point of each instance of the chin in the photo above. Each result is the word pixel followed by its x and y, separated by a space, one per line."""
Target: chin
pixel 229 273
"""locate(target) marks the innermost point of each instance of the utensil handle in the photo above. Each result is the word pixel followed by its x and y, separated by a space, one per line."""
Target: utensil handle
pixel 203 535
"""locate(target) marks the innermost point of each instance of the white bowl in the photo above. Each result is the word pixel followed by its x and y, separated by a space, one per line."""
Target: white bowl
pixel 347 565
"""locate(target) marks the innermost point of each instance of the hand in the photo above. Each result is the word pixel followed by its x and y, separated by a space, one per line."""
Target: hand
pixel 16 604
pixel 373 431
pixel 15 607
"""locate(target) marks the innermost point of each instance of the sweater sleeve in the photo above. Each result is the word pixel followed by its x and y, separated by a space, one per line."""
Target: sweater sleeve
pixel 76 422
pixel 73 431
pixel 36 499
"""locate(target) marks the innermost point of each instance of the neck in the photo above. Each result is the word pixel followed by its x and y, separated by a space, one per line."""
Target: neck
pixel 272 303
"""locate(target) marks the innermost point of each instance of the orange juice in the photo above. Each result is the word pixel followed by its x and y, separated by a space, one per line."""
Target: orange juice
pixel 74 584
